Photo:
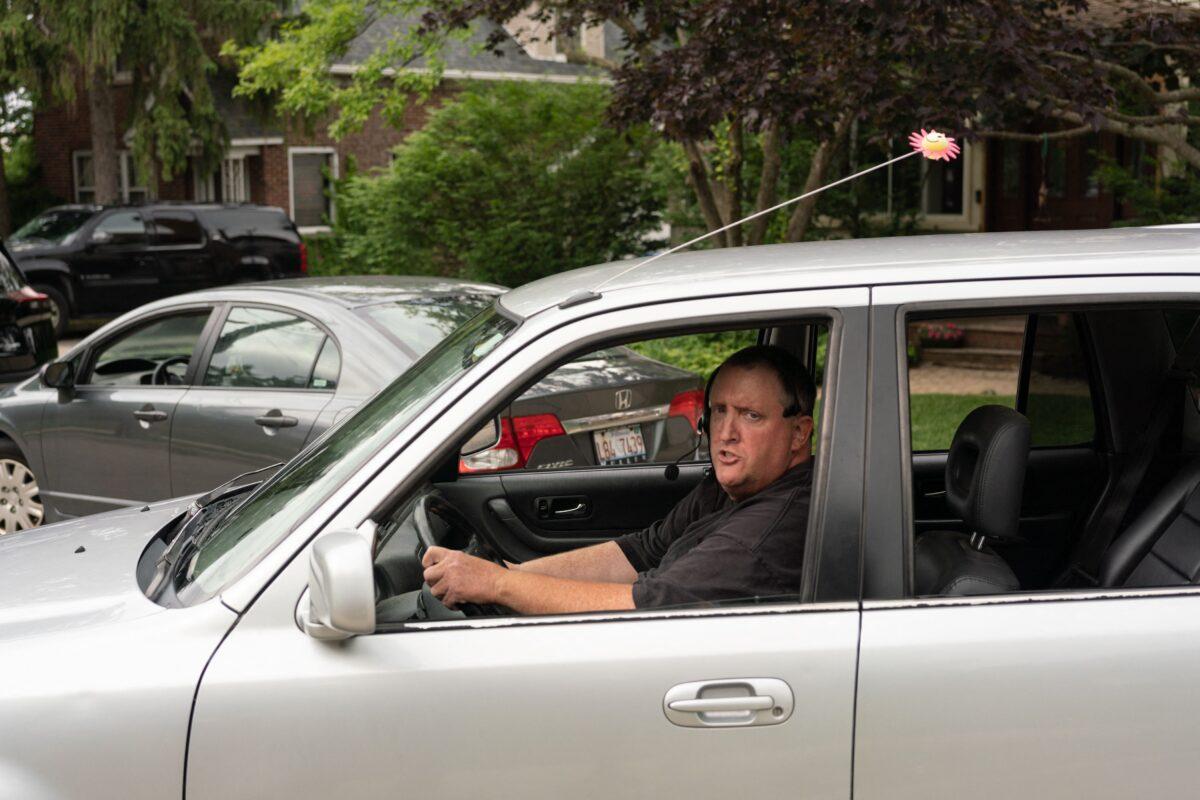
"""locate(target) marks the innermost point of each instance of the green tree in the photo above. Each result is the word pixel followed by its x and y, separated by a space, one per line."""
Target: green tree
pixel 508 182
pixel 165 45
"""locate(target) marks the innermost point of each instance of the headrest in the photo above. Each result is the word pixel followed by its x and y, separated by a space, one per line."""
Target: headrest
pixel 985 470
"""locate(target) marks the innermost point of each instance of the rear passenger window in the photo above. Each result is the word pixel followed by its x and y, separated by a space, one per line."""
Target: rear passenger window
pixel 177 228
pixel 329 364
pixel 957 364
pixel 265 349
pixel 1058 403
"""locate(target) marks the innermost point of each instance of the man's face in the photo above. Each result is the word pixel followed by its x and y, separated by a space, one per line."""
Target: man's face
pixel 752 443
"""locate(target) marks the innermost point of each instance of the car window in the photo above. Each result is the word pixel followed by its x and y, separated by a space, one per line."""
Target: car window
pixel 177 228
pixel 122 227
pixel 158 352
pixel 955 365
pixel 329 365
pixel 53 227
pixel 1058 402
pixel 417 324
pixel 266 349
pixel 636 404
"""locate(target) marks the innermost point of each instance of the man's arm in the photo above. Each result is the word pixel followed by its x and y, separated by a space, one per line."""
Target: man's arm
pixel 605 563
pixel 455 577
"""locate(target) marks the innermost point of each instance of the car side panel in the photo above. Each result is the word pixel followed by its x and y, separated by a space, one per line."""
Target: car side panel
pixel 1075 697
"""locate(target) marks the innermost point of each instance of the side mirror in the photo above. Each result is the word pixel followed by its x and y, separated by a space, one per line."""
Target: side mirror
pixel 485 438
pixel 100 237
pixel 59 374
pixel 341 588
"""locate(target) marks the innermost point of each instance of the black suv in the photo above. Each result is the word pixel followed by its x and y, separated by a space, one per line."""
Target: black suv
pixel 108 259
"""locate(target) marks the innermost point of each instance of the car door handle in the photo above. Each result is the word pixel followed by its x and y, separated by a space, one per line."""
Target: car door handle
pixel 578 508
pixel 729 703
pixel 149 414
pixel 716 704
pixel 276 419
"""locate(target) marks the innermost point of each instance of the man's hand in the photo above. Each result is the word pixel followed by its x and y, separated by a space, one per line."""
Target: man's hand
pixel 455 577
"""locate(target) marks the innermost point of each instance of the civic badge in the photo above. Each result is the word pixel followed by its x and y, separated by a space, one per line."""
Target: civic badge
pixel 624 399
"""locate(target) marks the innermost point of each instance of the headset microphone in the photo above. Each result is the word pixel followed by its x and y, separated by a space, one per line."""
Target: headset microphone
pixel 672 470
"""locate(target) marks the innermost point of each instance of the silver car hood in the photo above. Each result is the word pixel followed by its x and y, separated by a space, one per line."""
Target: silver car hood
pixel 78 573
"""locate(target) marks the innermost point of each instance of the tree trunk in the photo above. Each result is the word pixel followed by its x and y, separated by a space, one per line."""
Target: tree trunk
pixel 698 177
pixel 5 210
pixel 106 164
pixel 733 182
pixel 826 151
pixel 768 185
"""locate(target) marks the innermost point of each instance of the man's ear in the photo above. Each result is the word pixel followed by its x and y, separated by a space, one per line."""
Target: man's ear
pixel 802 433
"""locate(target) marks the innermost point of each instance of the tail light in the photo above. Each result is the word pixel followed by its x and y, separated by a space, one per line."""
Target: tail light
pixel 689 404
pixel 518 437
pixel 303 258
pixel 26 294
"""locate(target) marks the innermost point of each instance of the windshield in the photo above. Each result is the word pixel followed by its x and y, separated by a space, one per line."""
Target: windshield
pixel 53 226
pixel 251 529
pixel 420 323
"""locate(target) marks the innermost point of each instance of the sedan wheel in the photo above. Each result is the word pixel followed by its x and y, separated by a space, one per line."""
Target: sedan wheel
pixel 20 503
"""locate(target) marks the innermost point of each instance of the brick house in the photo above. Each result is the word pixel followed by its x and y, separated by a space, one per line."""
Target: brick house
pixel 268 161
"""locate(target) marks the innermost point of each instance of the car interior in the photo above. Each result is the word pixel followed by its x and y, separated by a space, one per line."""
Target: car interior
pixel 525 508
pixel 1067 460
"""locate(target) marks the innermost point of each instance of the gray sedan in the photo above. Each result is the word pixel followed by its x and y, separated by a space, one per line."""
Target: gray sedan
pixel 183 394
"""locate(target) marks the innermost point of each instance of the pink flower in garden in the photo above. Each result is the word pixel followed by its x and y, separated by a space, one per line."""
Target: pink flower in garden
pixel 934 145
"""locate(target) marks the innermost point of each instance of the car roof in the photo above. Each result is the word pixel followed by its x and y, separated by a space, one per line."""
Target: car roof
pixel 868 262
pixel 351 291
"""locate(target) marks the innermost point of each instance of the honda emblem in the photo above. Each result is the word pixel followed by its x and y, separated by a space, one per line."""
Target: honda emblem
pixel 624 399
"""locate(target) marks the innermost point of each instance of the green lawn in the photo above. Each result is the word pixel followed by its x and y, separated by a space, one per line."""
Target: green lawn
pixel 1057 419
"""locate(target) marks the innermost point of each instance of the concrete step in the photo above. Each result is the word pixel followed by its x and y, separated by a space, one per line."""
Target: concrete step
pixel 972 357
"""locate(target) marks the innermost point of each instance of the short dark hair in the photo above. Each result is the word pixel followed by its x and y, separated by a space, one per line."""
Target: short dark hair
pixel 793 377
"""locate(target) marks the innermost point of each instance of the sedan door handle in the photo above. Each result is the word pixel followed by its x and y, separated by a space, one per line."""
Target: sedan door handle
pixel 276 419
pixel 148 414
pixel 729 703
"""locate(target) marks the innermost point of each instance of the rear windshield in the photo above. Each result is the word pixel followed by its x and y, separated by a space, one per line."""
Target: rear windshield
pixel 55 226
pixel 237 222
pixel 418 324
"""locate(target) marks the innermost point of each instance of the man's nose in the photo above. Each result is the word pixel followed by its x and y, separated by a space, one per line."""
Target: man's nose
pixel 727 429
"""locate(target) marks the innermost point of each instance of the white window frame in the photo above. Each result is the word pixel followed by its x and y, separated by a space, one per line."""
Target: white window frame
pixel 333 171
pixel 126 170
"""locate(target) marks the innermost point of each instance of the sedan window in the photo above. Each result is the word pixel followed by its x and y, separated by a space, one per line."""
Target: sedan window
pixel 264 349
pixel 157 353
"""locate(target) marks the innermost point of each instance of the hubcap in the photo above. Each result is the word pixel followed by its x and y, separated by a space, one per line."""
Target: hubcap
pixel 20 503
pixel 55 314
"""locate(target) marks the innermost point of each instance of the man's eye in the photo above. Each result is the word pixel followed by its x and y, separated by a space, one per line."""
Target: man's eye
pixel 753 416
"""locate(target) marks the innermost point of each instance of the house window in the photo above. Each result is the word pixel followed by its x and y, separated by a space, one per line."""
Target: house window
pixel 311 173
pixel 130 184
pixel 234 180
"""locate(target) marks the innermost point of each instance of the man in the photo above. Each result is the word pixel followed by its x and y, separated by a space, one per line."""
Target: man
pixel 738 534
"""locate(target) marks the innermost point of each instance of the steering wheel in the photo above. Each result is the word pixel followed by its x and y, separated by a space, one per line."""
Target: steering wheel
pixel 440 524
pixel 161 376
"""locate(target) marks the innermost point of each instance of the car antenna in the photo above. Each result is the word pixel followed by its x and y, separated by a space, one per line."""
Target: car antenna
pixel 931 144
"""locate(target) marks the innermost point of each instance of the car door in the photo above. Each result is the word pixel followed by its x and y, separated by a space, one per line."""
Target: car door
pixel 267 377
pixel 568 706
pixel 106 441
pixel 1080 693
pixel 115 268
pixel 182 250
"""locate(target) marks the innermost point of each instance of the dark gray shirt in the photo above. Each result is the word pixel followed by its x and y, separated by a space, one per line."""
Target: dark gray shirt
pixel 711 548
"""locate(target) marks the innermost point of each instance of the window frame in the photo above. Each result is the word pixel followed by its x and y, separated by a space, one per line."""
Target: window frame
pixel 125 159
pixel 218 325
pixel 330 200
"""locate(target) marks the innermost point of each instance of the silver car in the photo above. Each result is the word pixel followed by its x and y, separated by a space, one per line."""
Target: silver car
pixel 273 639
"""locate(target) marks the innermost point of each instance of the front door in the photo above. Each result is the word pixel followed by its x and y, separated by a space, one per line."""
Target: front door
pixel 107 442
pixel 116 269
pixel 583 706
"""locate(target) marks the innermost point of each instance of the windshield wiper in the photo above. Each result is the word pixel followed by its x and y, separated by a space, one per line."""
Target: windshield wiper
pixel 194 527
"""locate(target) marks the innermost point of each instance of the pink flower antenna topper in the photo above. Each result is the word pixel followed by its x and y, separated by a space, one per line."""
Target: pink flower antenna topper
pixel 934 145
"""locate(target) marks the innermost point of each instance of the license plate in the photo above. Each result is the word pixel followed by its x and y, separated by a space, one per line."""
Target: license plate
pixel 622 445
